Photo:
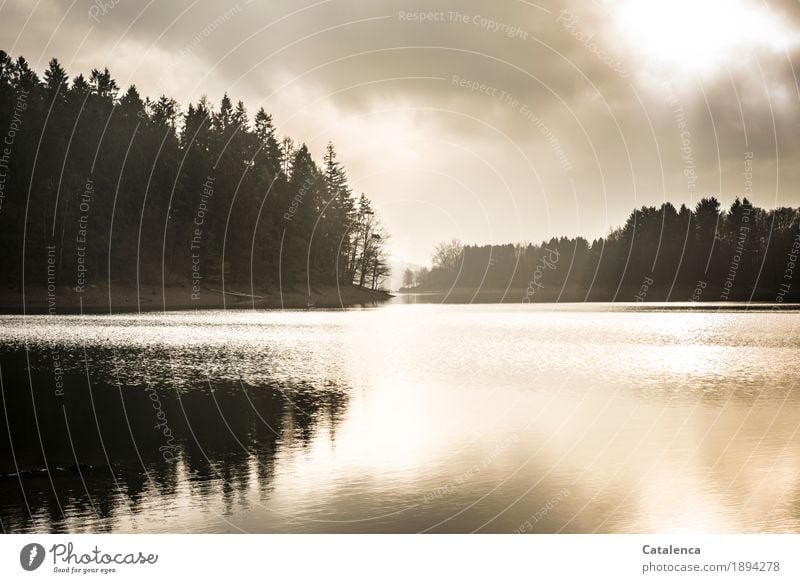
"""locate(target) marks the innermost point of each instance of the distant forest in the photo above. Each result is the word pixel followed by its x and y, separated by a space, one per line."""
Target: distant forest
pixel 99 184
pixel 664 253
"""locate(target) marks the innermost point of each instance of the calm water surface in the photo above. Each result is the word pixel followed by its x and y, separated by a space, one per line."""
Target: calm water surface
pixel 404 418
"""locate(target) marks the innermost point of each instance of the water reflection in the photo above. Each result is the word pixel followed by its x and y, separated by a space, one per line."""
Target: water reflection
pixel 406 418
pixel 110 450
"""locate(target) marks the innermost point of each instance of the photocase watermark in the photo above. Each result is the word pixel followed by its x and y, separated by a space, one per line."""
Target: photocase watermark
pixel 529 524
pixel 743 233
pixel 100 8
pixel 297 200
pixel 738 251
pixel 686 149
pixel 51 280
pixel 84 206
pixel 644 288
pixel 477 87
pixel 55 354
pixel 697 292
pixel 473 471
pixel 195 246
pixel 20 105
pixel 32 556
pixel 748 175
pixel 421 16
pixel 210 29
pixel 169 449
pixel 569 22
pixel 523 109
pixel 547 133
pixel 58 371
pixel 494 26
pixel 550 261
pixel 788 272
pixel 200 37
pixel 68 560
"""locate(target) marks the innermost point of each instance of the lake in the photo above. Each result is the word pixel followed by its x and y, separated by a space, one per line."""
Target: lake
pixel 410 417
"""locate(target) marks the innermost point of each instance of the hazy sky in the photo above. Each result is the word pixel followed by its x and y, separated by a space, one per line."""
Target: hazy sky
pixel 490 122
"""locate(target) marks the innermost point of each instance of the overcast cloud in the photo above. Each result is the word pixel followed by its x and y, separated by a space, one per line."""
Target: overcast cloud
pixel 491 123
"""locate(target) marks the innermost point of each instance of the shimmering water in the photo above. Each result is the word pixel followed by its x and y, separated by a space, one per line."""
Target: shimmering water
pixel 404 418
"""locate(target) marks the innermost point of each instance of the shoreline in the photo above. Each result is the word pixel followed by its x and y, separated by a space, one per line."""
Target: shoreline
pixel 128 300
pixel 99 299
pixel 574 294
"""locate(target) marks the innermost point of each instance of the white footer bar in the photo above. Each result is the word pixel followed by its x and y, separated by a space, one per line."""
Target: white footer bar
pixel 660 558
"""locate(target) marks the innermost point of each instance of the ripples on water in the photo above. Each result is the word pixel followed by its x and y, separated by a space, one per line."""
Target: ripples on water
pixel 402 418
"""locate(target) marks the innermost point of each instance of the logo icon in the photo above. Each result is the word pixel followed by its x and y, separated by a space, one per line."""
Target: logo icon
pixel 31 556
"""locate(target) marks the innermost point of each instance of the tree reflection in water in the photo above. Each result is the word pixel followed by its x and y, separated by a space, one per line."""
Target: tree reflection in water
pixel 102 451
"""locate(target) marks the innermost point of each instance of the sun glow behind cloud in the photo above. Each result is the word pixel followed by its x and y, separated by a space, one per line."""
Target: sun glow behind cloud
pixel 700 36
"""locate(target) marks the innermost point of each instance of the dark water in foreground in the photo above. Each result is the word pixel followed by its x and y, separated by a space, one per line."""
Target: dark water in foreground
pixel 404 418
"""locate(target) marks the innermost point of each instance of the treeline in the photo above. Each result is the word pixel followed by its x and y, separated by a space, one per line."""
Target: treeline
pixel 100 184
pixel 704 254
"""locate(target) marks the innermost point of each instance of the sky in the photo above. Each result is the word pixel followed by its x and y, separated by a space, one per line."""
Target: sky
pixel 497 122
